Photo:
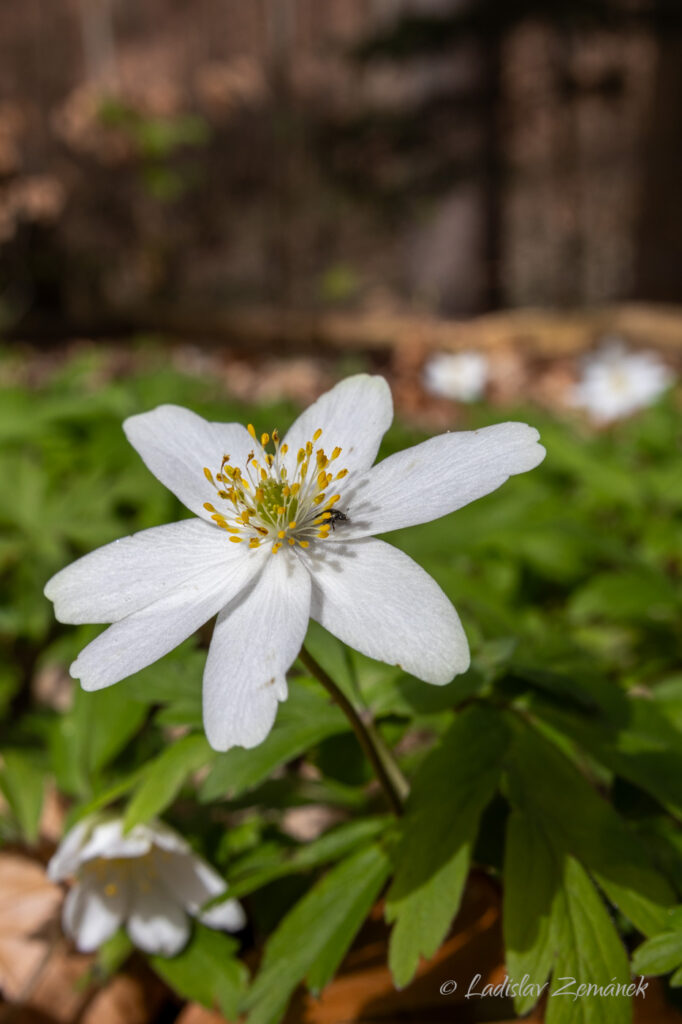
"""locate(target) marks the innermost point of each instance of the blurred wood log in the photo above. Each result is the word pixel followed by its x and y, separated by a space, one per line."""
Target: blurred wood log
pixel 542 333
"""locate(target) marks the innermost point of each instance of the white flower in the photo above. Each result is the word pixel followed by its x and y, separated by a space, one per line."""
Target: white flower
pixel 616 382
pixel 458 375
pixel 283 530
pixel 148 879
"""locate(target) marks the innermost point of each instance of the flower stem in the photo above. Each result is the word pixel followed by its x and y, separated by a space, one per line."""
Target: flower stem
pixel 392 780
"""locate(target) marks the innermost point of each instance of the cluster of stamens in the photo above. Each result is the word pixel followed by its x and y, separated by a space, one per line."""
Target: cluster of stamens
pixel 266 504
pixel 116 872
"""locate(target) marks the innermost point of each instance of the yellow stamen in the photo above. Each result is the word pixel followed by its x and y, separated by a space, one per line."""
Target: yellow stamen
pixel 336 453
pixel 264 438
pixel 317 435
pixel 209 475
pixel 236 540
pixel 251 429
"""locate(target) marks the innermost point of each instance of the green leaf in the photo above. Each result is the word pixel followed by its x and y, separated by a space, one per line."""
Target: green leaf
pixel 22 781
pixel 206 971
pixel 532 875
pixel 164 777
pixel 315 935
pixel 331 846
pixel 450 792
pixel 303 720
pixel 642 744
pixel 588 952
pixel 660 954
pixel 544 784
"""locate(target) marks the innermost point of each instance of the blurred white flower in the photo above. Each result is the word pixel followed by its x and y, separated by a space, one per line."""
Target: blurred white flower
pixel 281 533
pixel 615 382
pixel 148 879
pixel 461 376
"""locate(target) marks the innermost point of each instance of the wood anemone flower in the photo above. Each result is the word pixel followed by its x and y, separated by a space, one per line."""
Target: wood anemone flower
pixel 284 531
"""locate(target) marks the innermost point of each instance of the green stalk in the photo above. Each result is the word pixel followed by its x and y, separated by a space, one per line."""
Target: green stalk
pixel 386 768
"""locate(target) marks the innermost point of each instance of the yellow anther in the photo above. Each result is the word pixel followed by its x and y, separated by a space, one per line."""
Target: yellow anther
pixel 260 494
pixel 319 499
pixel 340 475
pixel 285 449
pixel 282 534
pixel 262 531
pixel 254 542
pixel 276 547
pixel 333 500
pixel 304 543
pixel 209 475
pixel 309 447
pixel 251 430
pixel 208 506
pixel 324 532
pixel 281 510
pixel 263 474
pixel 286 491
pixel 270 460
pixel 295 488
pixel 336 453
pixel 275 435
pixel 321 479
pixel 264 438
pixel 292 524
pixel 236 540
pixel 318 434
pixel 292 540
pixel 301 455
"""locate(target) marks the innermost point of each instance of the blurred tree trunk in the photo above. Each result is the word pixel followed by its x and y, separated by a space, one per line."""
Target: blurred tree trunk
pixel 99 46
pixel 659 244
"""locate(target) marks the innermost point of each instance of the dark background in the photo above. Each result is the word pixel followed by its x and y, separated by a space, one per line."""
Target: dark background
pixel 437 156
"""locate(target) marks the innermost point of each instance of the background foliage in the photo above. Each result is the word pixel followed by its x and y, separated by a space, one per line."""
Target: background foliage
pixel 554 763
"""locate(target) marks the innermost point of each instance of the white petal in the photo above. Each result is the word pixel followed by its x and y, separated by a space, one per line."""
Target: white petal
pixel 90 917
pixel 176 445
pixel 436 477
pixel 167 839
pixel 256 638
pixel 68 856
pixel 131 573
pixel 353 416
pixel 157 923
pixel 146 635
pixel 108 841
pixel 376 599
pixel 194 882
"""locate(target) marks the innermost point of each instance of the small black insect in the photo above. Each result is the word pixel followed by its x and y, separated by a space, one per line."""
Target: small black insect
pixel 336 516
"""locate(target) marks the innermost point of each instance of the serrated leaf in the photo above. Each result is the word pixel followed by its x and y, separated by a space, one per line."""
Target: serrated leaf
pixel 450 792
pixel 164 777
pixel 544 783
pixel 315 935
pixel 532 876
pixel 660 954
pixel 589 952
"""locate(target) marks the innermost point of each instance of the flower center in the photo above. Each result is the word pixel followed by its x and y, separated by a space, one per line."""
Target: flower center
pixel 266 503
